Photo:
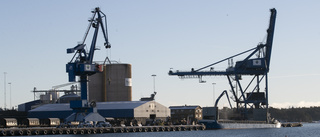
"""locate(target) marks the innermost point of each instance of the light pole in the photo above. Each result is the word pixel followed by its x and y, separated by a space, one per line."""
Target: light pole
pixel 154 82
pixel 5 83
pixel 154 91
pixel 10 95
pixel 213 93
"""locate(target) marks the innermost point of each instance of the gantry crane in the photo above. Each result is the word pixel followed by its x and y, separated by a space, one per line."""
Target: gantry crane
pixel 250 96
pixel 82 65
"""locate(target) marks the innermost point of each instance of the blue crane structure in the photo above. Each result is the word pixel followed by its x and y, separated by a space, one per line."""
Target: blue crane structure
pixel 82 65
pixel 249 97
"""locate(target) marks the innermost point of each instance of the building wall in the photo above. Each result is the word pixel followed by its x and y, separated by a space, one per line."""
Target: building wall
pixel 152 108
pixel 113 84
pixel 27 106
pixel 50 114
pixel 198 113
pixel 186 115
pixel 117 113
pixel 210 113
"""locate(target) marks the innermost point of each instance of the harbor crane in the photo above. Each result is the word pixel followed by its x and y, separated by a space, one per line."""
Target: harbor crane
pixel 257 67
pixel 82 65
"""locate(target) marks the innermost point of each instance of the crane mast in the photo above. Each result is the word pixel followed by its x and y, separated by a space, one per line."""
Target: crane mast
pixel 82 65
pixel 250 97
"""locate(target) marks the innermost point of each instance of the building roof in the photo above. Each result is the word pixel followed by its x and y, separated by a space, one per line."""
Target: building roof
pixel 100 106
pixel 53 107
pixel 33 102
pixel 120 105
pixel 183 107
pixel 70 95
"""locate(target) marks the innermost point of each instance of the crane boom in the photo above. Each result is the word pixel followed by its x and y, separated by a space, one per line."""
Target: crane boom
pixel 255 66
pixel 270 35
pixel 218 99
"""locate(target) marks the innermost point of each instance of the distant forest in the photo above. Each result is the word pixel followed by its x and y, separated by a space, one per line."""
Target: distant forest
pixel 296 114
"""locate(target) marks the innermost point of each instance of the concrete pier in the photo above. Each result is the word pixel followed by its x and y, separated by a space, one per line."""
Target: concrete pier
pixel 95 130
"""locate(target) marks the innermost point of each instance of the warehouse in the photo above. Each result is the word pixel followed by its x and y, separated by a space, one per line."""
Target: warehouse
pixel 138 110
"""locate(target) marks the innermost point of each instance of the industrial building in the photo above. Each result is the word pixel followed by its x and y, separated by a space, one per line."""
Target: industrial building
pixel 185 114
pixel 28 105
pixel 129 110
pixel 113 84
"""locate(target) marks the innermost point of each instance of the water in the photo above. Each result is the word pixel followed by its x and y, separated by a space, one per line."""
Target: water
pixel 308 130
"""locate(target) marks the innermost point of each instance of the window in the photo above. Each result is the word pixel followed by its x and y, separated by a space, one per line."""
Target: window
pixel 152 106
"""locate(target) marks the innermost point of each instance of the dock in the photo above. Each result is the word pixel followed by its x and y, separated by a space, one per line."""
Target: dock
pixel 291 125
pixel 95 130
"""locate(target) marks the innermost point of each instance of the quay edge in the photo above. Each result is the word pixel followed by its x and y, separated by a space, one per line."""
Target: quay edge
pixel 95 130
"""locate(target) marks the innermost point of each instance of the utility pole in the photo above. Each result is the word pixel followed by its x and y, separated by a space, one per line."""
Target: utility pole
pixel 5 83
pixel 10 95
pixel 154 82
pixel 213 93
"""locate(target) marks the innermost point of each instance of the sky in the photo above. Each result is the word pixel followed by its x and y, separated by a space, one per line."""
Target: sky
pixel 154 36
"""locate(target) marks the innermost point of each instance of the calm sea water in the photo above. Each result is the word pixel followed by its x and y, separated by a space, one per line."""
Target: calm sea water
pixel 308 130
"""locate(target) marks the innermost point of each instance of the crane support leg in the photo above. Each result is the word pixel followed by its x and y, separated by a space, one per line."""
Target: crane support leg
pixel 233 91
pixel 84 87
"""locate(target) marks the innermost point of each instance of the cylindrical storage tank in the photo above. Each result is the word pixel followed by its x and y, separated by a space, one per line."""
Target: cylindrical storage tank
pixel 113 84
pixel 55 96
pixel 118 82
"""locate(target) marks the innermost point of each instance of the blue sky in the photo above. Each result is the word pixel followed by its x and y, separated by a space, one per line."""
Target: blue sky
pixel 155 36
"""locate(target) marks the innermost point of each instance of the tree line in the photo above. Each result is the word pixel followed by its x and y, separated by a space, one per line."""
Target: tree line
pixel 296 114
